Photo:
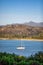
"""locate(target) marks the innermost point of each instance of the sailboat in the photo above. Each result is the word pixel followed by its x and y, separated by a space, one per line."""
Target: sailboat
pixel 21 47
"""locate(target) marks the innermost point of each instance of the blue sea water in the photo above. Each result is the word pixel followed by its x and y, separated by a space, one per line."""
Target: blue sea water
pixel 31 47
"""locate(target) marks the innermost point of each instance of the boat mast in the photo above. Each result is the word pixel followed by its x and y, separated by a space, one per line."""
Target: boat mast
pixel 21 43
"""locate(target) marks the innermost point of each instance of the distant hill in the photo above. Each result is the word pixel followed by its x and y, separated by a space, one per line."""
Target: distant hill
pixel 20 30
pixel 31 23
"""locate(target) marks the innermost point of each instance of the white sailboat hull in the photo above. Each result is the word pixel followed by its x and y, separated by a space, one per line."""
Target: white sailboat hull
pixel 20 48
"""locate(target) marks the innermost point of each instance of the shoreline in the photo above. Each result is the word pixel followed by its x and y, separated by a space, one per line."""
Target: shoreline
pixel 22 39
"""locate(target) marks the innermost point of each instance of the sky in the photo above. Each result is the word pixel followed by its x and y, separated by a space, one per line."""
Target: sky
pixel 20 11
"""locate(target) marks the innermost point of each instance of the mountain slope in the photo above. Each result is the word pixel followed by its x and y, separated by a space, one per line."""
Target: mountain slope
pixel 31 23
pixel 20 31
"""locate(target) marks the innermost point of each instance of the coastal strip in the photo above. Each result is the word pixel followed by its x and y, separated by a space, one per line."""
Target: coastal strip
pixel 21 39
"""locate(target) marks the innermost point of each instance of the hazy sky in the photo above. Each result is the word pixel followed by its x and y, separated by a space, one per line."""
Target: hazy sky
pixel 20 11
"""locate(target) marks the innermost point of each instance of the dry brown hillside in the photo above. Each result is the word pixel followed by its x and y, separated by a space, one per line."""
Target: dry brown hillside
pixel 21 30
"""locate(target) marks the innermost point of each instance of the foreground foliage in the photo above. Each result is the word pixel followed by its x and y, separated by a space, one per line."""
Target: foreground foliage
pixel 12 59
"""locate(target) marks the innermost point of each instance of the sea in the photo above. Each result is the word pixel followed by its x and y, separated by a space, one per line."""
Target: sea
pixel 31 47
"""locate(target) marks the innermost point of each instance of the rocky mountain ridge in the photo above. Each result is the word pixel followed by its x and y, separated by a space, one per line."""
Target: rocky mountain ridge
pixel 20 30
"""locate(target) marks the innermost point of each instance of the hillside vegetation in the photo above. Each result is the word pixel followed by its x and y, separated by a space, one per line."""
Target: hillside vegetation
pixel 21 31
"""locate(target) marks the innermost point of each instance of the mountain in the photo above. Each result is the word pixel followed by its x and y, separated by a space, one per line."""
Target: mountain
pixel 20 30
pixel 31 23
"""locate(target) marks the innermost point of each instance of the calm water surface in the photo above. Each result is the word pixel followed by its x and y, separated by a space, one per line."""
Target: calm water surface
pixel 31 47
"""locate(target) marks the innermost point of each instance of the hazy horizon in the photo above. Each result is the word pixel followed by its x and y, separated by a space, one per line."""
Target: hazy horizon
pixel 20 11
